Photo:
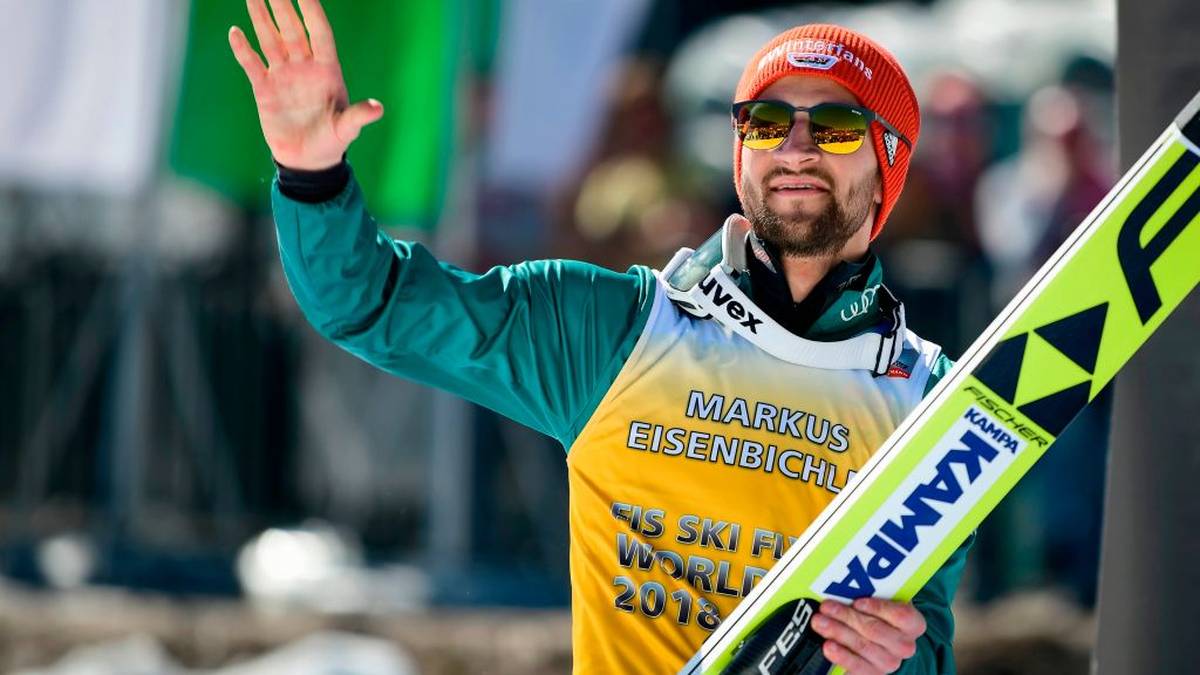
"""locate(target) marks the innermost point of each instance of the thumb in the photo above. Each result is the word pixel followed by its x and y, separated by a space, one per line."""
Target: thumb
pixel 357 116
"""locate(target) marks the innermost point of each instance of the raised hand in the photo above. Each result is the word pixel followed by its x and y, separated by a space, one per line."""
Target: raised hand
pixel 303 106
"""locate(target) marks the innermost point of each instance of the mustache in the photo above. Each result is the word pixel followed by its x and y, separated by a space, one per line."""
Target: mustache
pixel 811 173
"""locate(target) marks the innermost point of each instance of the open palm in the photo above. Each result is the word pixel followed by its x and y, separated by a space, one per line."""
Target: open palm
pixel 303 106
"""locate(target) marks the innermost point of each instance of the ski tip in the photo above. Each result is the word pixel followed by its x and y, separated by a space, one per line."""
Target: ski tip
pixel 1188 121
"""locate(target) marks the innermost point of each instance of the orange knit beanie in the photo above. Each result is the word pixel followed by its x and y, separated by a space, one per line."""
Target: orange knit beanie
pixel 860 65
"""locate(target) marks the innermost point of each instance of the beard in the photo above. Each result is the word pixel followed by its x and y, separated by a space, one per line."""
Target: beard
pixel 802 234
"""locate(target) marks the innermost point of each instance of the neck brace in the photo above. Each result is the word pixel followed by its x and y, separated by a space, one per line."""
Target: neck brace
pixel 705 283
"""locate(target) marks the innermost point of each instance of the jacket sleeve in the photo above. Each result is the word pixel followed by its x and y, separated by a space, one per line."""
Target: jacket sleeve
pixel 935 653
pixel 537 341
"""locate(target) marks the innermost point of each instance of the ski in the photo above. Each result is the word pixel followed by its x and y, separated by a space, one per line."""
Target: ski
pixel 946 466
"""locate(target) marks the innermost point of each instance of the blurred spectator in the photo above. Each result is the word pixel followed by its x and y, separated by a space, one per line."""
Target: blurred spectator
pixel 954 150
pixel 1031 202
pixel 633 203
pixel 932 250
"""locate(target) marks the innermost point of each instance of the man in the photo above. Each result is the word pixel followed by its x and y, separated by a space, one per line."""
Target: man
pixel 710 411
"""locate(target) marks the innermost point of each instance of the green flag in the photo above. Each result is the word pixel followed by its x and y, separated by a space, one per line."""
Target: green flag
pixel 406 53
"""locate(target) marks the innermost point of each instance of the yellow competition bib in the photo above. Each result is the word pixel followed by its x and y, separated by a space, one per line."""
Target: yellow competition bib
pixel 704 460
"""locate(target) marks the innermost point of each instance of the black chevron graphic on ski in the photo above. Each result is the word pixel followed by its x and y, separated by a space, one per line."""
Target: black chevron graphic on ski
pixel 1001 368
pixel 1078 336
pixel 1136 260
pixel 1054 412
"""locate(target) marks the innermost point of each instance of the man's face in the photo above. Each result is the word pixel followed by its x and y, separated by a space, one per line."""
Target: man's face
pixel 843 190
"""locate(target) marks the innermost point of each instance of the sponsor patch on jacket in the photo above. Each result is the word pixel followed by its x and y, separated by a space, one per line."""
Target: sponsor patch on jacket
pixel 903 365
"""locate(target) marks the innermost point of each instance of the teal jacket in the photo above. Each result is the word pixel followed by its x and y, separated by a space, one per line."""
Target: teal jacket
pixel 539 342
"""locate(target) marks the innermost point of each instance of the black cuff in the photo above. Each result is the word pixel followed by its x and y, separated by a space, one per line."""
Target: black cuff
pixel 314 187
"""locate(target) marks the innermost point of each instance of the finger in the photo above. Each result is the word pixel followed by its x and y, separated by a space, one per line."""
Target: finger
pixel 265 31
pixel 853 664
pixel 875 653
pixel 320 33
pixel 869 628
pixel 295 41
pixel 353 119
pixel 902 615
pixel 247 58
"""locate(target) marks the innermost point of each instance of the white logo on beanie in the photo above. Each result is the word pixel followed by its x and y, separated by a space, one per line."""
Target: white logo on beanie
pixel 810 60
pixel 889 144
pixel 811 52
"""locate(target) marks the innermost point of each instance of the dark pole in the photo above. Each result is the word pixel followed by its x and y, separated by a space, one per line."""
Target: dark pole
pixel 1150 556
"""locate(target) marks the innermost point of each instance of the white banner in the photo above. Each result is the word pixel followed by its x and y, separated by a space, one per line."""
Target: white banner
pixel 84 83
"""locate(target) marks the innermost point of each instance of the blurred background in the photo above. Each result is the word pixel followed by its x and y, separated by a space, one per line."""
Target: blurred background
pixel 192 480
